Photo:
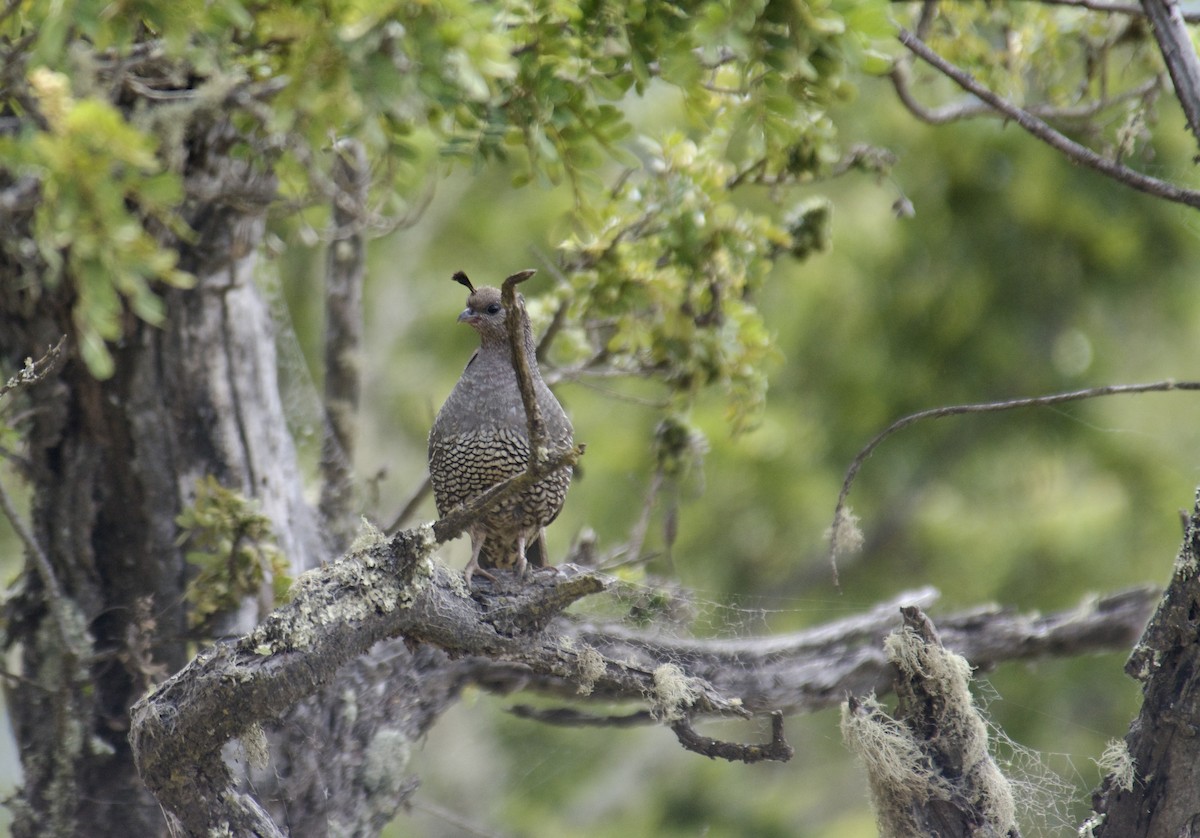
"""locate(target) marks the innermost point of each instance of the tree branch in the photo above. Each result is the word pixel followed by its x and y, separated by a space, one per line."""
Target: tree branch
pixel 840 512
pixel 814 669
pixel 1175 44
pixel 974 109
pixel 1074 151
pixel 777 750
pixel 930 769
pixel 345 268
pixel 518 327
pixel 35 371
pixel 393 588
pixel 389 589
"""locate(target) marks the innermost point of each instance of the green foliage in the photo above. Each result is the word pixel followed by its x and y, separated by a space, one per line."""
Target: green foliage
pixel 232 547
pixel 95 168
pixel 662 284
pixel 544 84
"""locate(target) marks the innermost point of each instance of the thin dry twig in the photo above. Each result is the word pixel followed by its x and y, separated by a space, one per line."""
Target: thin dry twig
pixel 777 750
pixel 982 407
pixel 517 324
pixel 35 371
pixel 973 109
pixel 456 521
pixel 571 717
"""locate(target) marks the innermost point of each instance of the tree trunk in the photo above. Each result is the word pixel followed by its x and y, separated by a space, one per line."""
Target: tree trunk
pixel 111 464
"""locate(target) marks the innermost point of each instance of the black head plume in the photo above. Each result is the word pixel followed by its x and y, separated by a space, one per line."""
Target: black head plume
pixel 462 279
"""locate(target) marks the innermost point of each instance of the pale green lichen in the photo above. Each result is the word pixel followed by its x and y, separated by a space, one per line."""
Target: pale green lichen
pixel 592 667
pixel 844 534
pixel 346 591
pixel 674 692
pixel 458 585
pixel 1118 762
pixel 385 761
pixel 368 536
pixel 254 744
pixel 897 765
pixel 894 761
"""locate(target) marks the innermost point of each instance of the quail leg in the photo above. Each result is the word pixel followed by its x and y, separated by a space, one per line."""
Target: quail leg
pixel 521 564
pixel 473 565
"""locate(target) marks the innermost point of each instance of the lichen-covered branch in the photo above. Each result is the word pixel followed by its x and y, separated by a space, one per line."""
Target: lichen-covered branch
pixel 392 588
pixel 1164 794
pixel 929 768
pixel 813 669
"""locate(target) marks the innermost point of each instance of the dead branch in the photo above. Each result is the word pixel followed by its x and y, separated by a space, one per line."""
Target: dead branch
pixel 777 750
pixel 974 109
pixel 929 768
pixel 517 325
pixel 35 371
pixel 392 588
pixel 814 669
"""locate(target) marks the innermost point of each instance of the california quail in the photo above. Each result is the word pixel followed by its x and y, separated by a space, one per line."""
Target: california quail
pixel 481 437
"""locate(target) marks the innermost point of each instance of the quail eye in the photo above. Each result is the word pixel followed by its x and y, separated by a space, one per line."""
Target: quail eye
pixel 494 308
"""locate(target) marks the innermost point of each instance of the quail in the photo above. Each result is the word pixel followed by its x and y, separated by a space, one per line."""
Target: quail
pixel 481 437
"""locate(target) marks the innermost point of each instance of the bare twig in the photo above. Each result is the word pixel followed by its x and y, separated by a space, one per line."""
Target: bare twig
pixel 35 371
pixel 518 327
pixel 777 750
pixel 571 717
pixel 1113 8
pixel 809 670
pixel 70 629
pixel 982 407
pixel 637 534
pixel 974 109
pixel 1074 151
pixel 390 589
pixel 41 562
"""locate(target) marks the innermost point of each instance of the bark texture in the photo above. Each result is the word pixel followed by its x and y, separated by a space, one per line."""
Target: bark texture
pixel 111 464
pixel 1162 797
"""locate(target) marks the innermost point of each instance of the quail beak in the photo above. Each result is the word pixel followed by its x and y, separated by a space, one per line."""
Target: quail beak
pixel 468 316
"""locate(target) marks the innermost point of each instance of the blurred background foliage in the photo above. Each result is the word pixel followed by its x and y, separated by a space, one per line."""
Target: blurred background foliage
pixel 1017 275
